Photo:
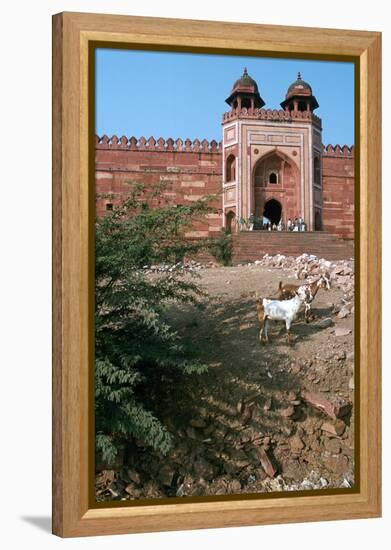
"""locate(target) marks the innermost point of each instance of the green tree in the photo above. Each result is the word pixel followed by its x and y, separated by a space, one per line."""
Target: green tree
pixel 139 248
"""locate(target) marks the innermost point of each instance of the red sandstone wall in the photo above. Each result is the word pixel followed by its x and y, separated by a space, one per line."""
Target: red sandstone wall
pixel 190 170
pixel 338 191
pixel 194 169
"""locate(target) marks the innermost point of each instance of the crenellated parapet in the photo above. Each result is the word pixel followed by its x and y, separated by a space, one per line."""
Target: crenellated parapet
pixel 161 144
pixel 270 114
pixel 337 151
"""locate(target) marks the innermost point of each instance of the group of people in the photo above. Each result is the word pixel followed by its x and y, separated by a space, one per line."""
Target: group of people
pixel 268 226
pixel 297 224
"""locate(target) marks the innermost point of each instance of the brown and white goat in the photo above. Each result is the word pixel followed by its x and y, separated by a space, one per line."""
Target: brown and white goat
pixel 287 291
pixel 280 310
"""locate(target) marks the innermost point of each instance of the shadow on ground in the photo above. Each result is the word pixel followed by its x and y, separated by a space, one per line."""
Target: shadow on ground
pixel 44 523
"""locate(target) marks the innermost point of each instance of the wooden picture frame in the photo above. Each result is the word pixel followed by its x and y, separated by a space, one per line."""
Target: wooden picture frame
pixel 73 34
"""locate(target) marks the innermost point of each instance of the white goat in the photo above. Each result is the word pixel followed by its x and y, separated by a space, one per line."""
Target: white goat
pixel 280 310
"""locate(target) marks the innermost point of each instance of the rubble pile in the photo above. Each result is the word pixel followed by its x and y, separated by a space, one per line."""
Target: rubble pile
pixel 308 445
pixel 190 265
pixel 308 267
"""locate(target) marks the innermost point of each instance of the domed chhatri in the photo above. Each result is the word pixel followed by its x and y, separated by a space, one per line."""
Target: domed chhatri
pixel 299 97
pixel 299 87
pixel 245 93
pixel 245 82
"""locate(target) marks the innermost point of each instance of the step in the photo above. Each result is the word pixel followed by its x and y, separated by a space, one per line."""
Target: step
pixel 252 245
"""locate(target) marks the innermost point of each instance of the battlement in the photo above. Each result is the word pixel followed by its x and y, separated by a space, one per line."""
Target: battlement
pixel 271 114
pixel 204 146
pixel 337 151
pixel 161 144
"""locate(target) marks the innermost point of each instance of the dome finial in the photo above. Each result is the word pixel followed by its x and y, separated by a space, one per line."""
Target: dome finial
pixel 245 71
pixel 298 76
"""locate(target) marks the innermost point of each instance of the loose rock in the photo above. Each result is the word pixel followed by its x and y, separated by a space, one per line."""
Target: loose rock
pixel 266 463
pixel 332 406
pixel 342 331
pixel 335 428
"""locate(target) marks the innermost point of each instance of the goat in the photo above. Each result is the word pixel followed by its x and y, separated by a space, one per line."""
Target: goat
pixel 280 310
pixel 287 291
pixel 304 271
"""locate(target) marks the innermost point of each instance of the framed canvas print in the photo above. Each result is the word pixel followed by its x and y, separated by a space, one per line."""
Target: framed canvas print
pixel 216 296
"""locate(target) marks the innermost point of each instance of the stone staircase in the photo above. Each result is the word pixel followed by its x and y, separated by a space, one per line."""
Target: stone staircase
pixel 249 246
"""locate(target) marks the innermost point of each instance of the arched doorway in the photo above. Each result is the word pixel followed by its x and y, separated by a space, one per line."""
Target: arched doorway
pixel 229 221
pixel 274 174
pixel 272 211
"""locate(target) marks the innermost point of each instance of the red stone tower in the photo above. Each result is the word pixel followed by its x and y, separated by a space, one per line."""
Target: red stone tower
pixel 272 158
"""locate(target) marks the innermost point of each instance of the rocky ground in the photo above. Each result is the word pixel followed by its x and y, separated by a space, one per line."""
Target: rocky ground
pixel 264 418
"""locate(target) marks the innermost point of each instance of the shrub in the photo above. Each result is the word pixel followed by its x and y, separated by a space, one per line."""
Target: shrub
pixel 221 247
pixel 138 356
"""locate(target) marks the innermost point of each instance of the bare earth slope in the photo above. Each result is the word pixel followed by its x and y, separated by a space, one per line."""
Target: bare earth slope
pixel 264 418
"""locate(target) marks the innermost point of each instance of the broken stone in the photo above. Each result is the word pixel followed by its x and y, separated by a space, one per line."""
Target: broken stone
pixel 314 444
pixel 342 331
pixel 248 413
pixel 332 445
pixel 267 405
pixel 134 476
pixel 296 444
pixel 287 412
pixel 181 491
pixel 133 491
pixel 287 430
pixel 293 469
pixel 325 323
pixel 234 486
pixel 266 463
pixel 332 406
pixel 337 464
pixel 113 492
pixel 166 476
pixel 240 406
pixel 335 428
pixel 343 313
pixel 106 477
pixel 151 490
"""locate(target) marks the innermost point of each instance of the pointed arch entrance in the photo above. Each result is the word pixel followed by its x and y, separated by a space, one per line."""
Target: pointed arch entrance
pixel 273 210
pixel 276 187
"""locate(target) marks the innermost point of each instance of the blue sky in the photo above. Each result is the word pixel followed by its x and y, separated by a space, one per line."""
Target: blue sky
pixel 163 94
